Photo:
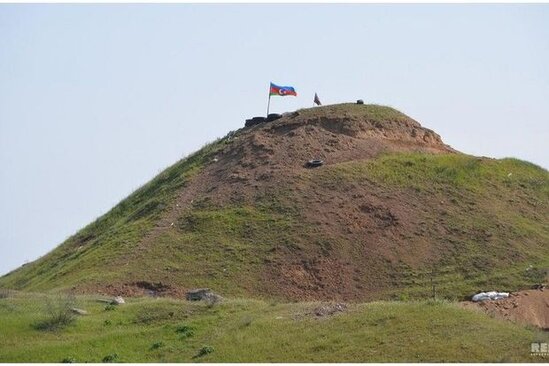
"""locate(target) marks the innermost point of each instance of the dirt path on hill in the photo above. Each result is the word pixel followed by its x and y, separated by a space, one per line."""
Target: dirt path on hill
pixel 525 307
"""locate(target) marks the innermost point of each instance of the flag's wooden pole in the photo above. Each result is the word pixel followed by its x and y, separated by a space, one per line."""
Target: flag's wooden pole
pixel 269 102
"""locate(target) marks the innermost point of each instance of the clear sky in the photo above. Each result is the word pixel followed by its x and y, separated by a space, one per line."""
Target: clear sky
pixel 97 99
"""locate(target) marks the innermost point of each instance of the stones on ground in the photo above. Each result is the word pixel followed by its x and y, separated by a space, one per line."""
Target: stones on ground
pixel 79 311
pixel 118 300
pixel 204 294
pixel 329 309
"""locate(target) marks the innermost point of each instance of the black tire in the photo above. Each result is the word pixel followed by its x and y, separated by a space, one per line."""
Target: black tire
pixel 314 163
pixel 254 121
pixel 273 117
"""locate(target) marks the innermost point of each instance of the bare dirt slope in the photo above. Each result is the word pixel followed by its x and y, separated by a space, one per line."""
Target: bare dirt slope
pixel 526 307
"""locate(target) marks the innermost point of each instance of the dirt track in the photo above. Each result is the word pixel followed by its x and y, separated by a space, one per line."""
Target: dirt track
pixel 525 307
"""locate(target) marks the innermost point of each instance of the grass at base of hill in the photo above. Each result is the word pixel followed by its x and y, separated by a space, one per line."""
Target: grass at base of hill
pixel 168 330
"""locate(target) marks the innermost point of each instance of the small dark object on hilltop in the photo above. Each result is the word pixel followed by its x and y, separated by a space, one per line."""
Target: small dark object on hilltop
pixel 254 121
pixel 273 117
pixel 360 101
pixel 257 120
pixel 314 163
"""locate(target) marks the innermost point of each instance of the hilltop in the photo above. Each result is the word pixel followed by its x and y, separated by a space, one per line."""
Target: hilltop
pixel 392 211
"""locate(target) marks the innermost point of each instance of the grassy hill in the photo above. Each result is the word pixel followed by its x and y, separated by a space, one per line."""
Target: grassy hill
pixel 392 211
pixel 168 330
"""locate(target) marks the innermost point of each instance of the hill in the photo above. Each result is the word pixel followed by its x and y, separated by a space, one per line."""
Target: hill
pixel 391 212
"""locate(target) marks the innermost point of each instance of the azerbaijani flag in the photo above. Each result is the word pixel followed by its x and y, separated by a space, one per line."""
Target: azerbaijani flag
pixel 282 90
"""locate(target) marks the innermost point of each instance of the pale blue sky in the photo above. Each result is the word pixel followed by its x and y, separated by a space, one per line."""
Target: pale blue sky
pixel 97 99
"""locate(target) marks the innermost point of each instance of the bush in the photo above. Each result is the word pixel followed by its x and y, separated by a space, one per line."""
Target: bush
pixel 536 275
pixel 246 321
pixel 110 358
pixel 154 314
pixel 205 350
pixel 5 293
pixel 58 313
pixel 185 331
pixel 110 307
pixel 157 345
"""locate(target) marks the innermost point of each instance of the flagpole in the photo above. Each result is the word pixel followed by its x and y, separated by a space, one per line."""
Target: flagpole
pixel 269 102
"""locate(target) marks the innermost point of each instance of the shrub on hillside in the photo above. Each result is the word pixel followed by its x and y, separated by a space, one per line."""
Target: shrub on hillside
pixel 110 358
pixel 205 350
pixel 157 345
pixel 185 331
pixel 58 313
pixel 5 293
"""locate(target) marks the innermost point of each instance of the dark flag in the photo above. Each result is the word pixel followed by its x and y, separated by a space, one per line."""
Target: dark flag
pixel 317 101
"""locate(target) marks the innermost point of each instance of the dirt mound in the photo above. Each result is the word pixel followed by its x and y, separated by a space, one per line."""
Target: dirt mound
pixel 526 307
pixel 272 155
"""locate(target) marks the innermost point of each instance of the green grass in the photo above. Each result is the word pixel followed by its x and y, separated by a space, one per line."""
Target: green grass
pixel 217 248
pixel 493 213
pixel 420 171
pixel 167 330
pixel 372 112
pixel 86 255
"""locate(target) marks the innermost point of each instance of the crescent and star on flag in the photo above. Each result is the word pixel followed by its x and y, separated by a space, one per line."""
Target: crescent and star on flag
pixel 284 91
